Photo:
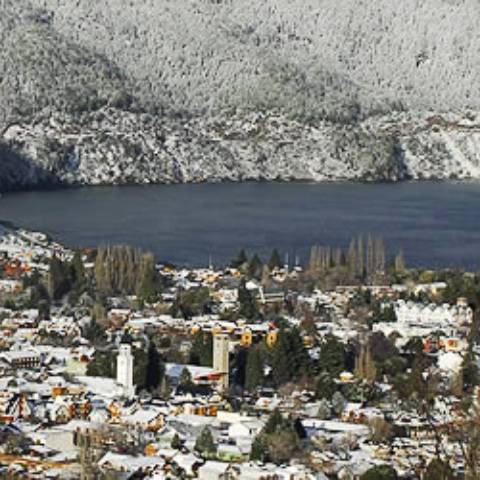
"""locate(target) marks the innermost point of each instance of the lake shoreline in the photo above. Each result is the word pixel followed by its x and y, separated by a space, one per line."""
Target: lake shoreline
pixel 82 186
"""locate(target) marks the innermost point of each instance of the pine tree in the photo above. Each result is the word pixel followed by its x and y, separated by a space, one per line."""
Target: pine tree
pixel 155 369
pixel 259 451
pixel 332 356
pixel 77 270
pixel 204 443
pixel 255 267
pixel 274 423
pixel 254 369
pixel 275 260
pixel 247 302
pixel 240 260
pixel 177 443
pixel 59 281
pixel 380 472
pixel 206 356
pixel 185 379
pixel 202 349
pixel 290 360
pixel 325 387
pixel 279 441
pixel 298 355
pixel 196 351
pixel 280 360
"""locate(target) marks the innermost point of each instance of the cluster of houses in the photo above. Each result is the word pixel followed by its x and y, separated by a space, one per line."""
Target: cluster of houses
pixel 58 422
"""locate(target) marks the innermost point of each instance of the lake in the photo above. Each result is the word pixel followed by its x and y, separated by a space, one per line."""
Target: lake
pixel 436 224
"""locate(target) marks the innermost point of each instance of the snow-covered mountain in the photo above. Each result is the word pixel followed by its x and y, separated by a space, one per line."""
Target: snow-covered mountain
pixel 124 91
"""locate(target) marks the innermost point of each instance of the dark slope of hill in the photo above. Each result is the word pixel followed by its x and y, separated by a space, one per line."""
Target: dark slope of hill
pixel 18 172
pixel 125 91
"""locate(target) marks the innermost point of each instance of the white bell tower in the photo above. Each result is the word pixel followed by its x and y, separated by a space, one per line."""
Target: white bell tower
pixel 220 358
pixel 125 369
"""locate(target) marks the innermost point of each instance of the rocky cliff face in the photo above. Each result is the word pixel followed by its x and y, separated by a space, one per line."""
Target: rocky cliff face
pixel 111 146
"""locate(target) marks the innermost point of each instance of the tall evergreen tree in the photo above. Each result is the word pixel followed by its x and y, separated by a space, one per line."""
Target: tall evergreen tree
pixel 280 360
pixel 185 378
pixel 176 442
pixel 380 472
pixel 279 441
pixel 155 368
pixel 77 270
pixel 240 260
pixel 325 387
pixel 197 348
pixel 206 358
pixel 259 451
pixel 275 260
pixel 204 443
pixel 202 349
pixel 254 369
pixel 290 360
pixel 59 280
pixel 332 356
pixel 255 267
pixel 247 302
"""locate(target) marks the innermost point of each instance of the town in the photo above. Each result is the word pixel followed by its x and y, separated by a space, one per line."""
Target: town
pixel 352 366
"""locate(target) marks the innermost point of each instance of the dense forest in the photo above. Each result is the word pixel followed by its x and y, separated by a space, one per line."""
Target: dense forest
pixel 305 57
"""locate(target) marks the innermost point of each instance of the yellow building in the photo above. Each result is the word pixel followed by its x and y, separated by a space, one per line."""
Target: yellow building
pixel 271 338
pixel 246 338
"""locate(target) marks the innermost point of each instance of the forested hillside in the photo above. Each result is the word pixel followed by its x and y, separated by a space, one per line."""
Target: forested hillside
pixel 318 62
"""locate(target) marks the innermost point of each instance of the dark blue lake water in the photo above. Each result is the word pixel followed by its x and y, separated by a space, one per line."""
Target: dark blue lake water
pixel 436 224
